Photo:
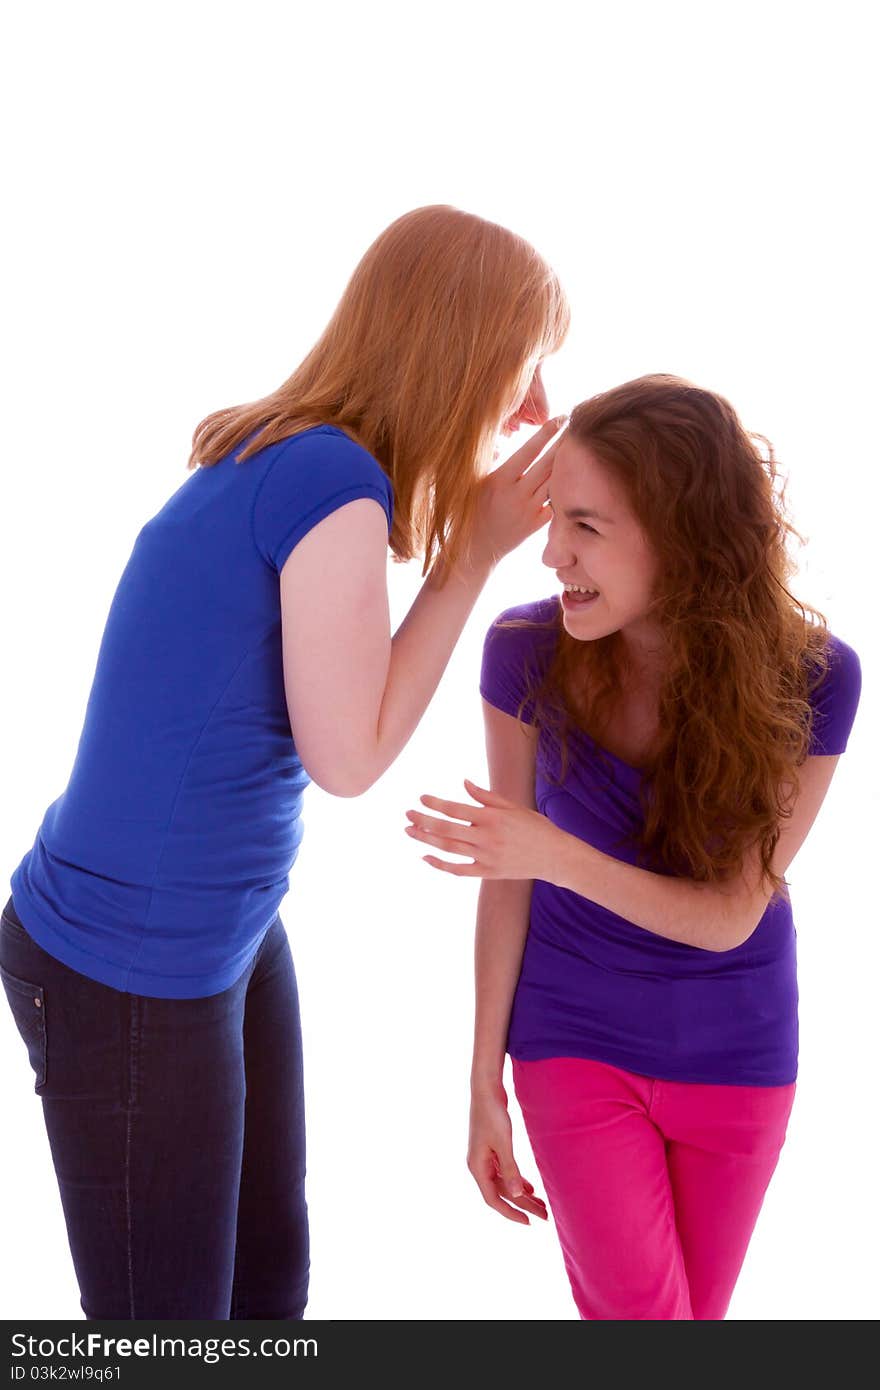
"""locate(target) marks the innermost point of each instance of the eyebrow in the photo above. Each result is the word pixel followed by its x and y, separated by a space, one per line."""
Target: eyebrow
pixel 578 513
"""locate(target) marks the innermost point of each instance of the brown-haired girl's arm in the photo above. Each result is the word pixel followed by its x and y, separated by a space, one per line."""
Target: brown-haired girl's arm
pixel 502 925
pixel 506 840
pixel 355 694
pixel 716 917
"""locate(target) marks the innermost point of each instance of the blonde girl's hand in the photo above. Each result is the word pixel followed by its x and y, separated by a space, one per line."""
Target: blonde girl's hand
pixel 491 1161
pixel 511 499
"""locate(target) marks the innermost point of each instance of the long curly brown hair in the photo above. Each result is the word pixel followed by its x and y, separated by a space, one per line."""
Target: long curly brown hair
pixel 734 713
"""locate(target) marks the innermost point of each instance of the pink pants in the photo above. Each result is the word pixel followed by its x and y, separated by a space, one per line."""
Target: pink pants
pixel 654 1186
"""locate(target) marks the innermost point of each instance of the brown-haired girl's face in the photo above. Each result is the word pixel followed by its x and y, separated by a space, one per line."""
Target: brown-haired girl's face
pixel 596 543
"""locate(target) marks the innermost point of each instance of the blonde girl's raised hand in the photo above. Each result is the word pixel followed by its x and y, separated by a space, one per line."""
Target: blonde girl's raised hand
pixel 511 503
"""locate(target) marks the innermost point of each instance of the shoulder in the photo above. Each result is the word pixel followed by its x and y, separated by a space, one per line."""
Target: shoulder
pixel 844 668
pixel 541 614
pixel 338 454
pixel 516 651
pixel 835 698
pixel 846 657
pixel 527 628
pixel 307 476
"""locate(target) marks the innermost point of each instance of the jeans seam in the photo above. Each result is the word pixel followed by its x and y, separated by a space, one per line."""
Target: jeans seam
pixel 131 1095
pixel 234 1309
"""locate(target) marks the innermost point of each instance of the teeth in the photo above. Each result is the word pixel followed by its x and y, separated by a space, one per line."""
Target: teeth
pixel 576 589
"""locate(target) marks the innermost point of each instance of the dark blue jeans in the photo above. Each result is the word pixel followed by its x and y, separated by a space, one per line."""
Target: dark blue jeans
pixel 177 1134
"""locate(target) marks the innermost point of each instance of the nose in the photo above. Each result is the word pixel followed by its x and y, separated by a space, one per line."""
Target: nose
pixel 535 409
pixel 556 554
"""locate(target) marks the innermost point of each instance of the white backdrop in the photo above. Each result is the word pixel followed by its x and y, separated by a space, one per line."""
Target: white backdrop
pixel 189 186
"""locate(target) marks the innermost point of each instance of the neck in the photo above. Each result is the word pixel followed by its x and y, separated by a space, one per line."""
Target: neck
pixel 645 655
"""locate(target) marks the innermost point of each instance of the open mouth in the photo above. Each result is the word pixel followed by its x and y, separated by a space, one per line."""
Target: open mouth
pixel 574 600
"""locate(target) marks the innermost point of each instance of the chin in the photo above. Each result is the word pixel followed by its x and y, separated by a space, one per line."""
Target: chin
pixel 575 629
pixel 582 627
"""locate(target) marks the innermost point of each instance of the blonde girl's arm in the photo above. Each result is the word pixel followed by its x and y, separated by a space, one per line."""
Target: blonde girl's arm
pixel 355 694
pixel 502 925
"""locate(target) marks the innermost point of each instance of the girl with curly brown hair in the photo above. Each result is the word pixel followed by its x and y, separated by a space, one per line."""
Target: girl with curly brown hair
pixel 660 738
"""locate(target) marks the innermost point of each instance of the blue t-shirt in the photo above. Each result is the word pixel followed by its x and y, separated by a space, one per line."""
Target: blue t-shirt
pixel 160 867
pixel 595 985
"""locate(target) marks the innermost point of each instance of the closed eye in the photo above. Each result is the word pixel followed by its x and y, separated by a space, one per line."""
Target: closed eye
pixel 583 525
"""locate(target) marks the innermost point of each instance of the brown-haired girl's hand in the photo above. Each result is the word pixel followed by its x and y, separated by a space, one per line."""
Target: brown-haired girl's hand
pixel 503 839
pixel 491 1162
pixel 511 499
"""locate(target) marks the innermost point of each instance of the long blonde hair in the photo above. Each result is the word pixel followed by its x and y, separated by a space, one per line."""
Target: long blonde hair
pixel 434 340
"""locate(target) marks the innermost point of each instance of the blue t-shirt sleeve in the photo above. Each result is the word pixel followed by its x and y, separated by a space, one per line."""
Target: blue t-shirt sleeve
pixel 311 476
pixel 836 699
pixel 515 658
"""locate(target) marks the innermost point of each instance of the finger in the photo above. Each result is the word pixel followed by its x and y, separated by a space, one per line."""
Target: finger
pixel 456 809
pixel 532 1195
pixel 528 1192
pixel 492 1199
pixel 443 827
pixel 541 520
pixel 533 1205
pixel 524 1200
pixel 486 795
pixel 459 825
pixel 519 462
pixel 508 1175
pixel 459 870
pixel 446 843
pixel 512 1185
pixel 538 476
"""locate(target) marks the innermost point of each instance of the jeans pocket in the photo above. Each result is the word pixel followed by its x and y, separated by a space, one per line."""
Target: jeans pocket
pixel 28 1004
pixel 12 921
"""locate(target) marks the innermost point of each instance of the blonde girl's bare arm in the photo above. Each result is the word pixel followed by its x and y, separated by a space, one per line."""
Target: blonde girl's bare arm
pixel 355 694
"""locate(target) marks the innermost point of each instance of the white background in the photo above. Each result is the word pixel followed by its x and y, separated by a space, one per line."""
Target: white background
pixel 189 186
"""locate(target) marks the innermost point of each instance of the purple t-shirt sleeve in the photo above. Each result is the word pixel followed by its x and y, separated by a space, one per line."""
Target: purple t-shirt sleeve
pixel 836 700
pixel 515 658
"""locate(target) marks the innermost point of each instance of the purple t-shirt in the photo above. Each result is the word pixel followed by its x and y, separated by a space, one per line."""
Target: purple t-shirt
pixel 595 985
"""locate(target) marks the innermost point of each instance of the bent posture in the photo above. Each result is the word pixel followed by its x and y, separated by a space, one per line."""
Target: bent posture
pixel 660 737
pixel 247 651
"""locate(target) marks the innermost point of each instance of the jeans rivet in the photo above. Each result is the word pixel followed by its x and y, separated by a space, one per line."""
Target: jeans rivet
pixel 39 1003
